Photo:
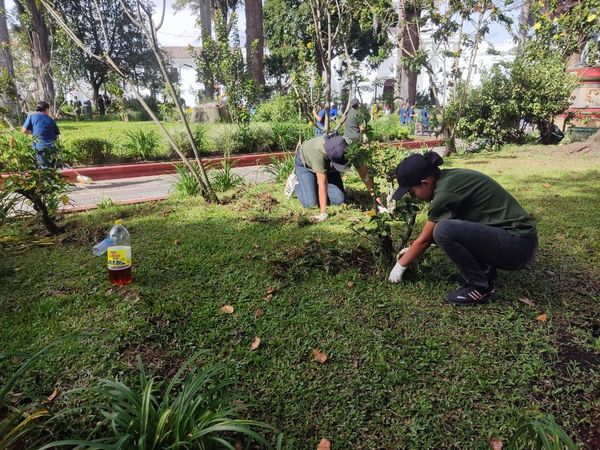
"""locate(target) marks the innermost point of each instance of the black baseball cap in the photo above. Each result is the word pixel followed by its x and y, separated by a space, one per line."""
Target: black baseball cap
pixel 335 149
pixel 412 170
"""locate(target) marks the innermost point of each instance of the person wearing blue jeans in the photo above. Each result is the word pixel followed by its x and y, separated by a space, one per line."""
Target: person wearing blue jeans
pixel 477 223
pixel 317 179
pixel 45 133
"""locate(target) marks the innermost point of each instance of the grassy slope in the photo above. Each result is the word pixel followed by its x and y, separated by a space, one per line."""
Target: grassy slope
pixel 404 370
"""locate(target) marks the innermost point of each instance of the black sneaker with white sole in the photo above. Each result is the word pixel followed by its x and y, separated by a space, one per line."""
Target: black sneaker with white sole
pixel 492 277
pixel 470 295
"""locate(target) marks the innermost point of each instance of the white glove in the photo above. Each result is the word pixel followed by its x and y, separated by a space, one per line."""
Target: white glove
pixel 319 218
pixel 396 273
pixel 403 251
pixel 382 209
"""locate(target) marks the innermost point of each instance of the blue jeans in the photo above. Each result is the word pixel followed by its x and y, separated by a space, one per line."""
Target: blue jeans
pixel 46 157
pixel 308 191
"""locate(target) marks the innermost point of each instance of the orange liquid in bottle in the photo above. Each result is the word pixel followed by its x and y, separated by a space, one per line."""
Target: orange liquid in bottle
pixel 120 277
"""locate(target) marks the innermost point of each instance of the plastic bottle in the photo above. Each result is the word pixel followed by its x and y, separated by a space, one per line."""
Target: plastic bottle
pixel 100 248
pixel 119 255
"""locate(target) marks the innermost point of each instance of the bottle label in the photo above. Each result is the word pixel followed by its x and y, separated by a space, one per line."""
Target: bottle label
pixel 119 257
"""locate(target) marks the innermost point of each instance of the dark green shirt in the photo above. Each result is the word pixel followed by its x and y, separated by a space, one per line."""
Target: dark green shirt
pixel 470 195
pixel 312 153
pixel 352 122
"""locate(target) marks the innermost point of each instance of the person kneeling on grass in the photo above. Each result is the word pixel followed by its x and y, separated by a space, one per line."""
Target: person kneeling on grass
pixel 317 179
pixel 477 223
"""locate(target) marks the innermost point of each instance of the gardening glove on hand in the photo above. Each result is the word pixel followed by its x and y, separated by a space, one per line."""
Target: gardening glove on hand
pixel 319 218
pixel 382 209
pixel 403 251
pixel 396 273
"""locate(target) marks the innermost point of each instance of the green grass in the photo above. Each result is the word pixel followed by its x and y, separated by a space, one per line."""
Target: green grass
pixel 405 370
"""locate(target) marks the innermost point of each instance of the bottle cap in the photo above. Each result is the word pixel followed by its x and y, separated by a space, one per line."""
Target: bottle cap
pixel 118 222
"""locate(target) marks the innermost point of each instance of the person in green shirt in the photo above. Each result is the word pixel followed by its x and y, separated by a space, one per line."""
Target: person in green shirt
pixel 317 179
pixel 474 220
pixel 354 125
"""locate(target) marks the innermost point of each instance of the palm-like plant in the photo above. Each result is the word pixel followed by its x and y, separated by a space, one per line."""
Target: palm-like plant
pixel 195 411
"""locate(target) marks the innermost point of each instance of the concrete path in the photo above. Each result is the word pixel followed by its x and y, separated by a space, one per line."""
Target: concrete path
pixel 133 190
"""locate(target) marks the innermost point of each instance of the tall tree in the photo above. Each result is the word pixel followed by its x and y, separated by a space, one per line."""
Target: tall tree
pixel 525 22
pixel 125 43
pixel 255 41
pixel 9 107
pixel 33 24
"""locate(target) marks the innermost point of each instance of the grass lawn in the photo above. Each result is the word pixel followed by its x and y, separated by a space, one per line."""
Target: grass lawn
pixel 404 370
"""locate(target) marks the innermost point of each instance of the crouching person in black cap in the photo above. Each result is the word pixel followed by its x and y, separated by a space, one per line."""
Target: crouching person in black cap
pixel 317 179
pixel 477 223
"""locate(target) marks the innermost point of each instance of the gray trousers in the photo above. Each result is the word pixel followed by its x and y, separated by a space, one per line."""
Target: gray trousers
pixel 476 248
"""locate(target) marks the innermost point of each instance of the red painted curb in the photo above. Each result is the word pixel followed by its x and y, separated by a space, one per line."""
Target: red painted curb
pixel 133 170
pixel 161 168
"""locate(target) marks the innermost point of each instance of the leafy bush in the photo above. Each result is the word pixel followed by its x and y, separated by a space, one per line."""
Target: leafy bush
pixel 281 168
pixel 87 151
pixel 181 139
pixel 44 188
pixel 223 138
pixel 140 144
pixel 388 128
pixel 261 138
pixel 186 184
pixel 279 108
pixel 533 89
pixel 224 178
pixel 286 135
pixel 195 411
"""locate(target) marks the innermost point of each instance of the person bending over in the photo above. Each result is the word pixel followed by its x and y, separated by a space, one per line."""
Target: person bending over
pixel 317 179
pixel 45 133
pixel 474 220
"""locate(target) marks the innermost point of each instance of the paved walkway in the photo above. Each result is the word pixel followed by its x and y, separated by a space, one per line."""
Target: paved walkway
pixel 133 190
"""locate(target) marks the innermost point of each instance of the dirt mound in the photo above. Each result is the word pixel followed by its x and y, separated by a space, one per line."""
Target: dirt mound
pixel 590 146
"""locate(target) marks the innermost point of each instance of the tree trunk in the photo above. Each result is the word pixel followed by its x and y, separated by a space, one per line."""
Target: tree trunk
pixel 39 40
pixel 8 102
pixel 255 40
pixel 400 75
pixel 411 45
pixel 525 21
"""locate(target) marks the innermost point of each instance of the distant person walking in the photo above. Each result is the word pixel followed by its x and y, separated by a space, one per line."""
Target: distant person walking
pixel 100 106
pixel 45 133
pixel 354 125
pixel 319 118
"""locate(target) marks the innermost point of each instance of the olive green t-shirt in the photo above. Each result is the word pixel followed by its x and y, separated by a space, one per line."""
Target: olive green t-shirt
pixel 312 153
pixel 352 122
pixel 470 195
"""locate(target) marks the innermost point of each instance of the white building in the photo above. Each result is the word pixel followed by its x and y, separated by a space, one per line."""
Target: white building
pixel 183 60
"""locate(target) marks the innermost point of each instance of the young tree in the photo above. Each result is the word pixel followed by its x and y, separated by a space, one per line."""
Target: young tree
pixel 33 25
pixel 141 17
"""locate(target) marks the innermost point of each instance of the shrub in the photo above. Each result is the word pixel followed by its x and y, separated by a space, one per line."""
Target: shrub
pixel 44 188
pixel 195 411
pixel 181 139
pixel 140 144
pixel 87 151
pixel 224 178
pixel 281 168
pixel 540 433
pixel 223 138
pixel 186 185
pixel 279 108
pixel 261 138
pixel 388 128
pixel 286 135
pixel 532 89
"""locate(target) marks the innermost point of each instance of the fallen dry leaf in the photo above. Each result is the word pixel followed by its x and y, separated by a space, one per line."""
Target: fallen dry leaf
pixel 177 242
pixel 238 446
pixel 227 309
pixel 324 444
pixel 350 284
pixel 271 290
pixel 319 356
pixel 255 343
pixel 527 301
pixel 268 297
pixel 496 443
pixel 547 185
pixel 51 396
pixel 259 313
pixel 542 318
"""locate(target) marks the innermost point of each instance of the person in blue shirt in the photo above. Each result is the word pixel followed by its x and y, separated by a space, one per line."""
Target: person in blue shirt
pixel 333 112
pixel 409 113
pixel 403 114
pixel 45 133
pixel 319 118
pixel 425 121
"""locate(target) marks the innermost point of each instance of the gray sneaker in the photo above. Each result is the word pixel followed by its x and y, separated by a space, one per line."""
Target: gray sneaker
pixel 290 185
